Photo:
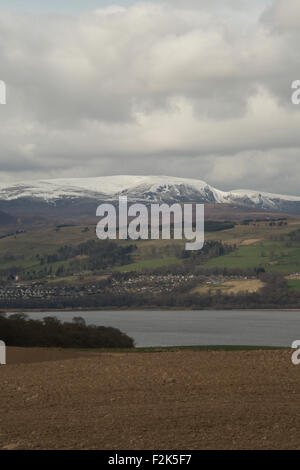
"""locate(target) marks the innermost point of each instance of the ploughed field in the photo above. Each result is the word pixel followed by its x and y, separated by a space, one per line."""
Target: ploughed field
pixel 180 399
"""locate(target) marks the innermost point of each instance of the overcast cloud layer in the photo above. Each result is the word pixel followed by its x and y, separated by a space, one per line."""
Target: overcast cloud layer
pixel 181 87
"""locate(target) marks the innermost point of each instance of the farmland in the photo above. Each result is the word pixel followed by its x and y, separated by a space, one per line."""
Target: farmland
pixel 270 255
pixel 294 284
pixel 180 399
pixel 257 244
pixel 230 287
pixel 25 249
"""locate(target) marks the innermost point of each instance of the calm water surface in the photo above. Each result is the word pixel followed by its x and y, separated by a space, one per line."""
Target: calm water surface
pixel 188 328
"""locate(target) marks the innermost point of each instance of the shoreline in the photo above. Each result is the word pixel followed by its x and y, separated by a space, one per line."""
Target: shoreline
pixel 152 309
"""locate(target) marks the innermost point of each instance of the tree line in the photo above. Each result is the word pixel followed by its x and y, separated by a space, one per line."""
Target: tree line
pixel 20 330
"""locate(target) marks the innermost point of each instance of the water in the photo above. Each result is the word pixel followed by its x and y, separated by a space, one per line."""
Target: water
pixel 189 328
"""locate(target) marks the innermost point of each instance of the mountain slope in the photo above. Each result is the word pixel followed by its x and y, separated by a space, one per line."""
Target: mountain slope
pixel 63 193
pixel 6 219
pixel 110 187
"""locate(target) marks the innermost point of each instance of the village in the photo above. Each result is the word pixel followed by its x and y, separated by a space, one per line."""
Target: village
pixel 142 284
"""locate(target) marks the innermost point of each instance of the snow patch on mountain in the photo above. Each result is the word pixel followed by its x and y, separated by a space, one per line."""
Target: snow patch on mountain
pixel 139 188
pixel 257 196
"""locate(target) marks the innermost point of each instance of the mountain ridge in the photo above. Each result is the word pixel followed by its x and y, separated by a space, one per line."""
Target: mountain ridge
pixel 138 188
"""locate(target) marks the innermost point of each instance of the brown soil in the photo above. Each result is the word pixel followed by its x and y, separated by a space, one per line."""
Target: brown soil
pixel 32 355
pixel 161 400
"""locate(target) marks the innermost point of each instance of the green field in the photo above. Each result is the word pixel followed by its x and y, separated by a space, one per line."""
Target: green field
pixel 294 284
pixel 260 231
pixel 143 265
pixel 22 250
pixel 270 255
pixel 257 245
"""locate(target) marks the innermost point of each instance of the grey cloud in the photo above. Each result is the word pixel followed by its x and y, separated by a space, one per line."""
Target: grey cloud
pixel 283 16
pixel 197 89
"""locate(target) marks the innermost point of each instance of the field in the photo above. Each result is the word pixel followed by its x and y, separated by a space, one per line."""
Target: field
pixel 230 287
pixel 148 264
pixel 244 234
pixel 270 255
pixel 23 249
pixel 258 244
pixel 294 284
pixel 184 399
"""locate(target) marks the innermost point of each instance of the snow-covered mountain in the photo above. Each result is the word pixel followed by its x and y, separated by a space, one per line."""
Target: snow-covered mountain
pixel 142 188
pixel 62 192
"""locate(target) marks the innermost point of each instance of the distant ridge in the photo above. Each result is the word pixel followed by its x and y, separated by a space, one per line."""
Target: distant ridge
pixel 62 193
pixel 6 219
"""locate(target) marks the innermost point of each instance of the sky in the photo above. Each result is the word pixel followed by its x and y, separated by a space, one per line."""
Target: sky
pixel 62 6
pixel 190 88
